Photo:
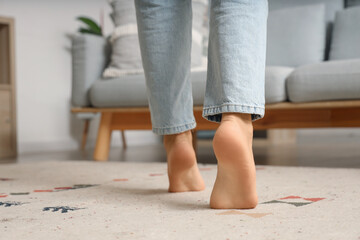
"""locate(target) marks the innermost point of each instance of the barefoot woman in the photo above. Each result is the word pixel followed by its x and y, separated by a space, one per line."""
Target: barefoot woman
pixel 235 91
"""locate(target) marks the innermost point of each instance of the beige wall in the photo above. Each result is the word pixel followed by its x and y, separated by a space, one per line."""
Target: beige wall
pixel 43 72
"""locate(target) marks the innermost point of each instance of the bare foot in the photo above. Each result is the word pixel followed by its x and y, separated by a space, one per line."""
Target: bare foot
pixel 235 185
pixel 183 171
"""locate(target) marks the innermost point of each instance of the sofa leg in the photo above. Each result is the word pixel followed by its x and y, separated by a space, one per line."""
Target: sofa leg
pixel 85 134
pixel 123 139
pixel 102 147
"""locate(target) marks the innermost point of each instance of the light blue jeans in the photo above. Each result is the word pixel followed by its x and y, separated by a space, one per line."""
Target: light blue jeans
pixel 236 60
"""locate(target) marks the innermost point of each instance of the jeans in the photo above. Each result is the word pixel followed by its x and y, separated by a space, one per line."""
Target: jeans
pixel 236 60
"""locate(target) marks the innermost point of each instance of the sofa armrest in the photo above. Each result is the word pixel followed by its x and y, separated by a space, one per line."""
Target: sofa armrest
pixel 90 55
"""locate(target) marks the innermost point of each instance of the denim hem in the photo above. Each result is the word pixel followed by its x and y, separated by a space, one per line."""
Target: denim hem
pixel 214 113
pixel 174 130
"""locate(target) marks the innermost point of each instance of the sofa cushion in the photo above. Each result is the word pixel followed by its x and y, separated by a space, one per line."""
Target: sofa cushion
pixel 296 36
pixel 346 35
pixel 130 91
pixel 275 77
pixel 331 80
pixel 332 6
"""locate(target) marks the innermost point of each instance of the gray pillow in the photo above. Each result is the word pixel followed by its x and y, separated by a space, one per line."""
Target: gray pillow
pixel 346 35
pixel 126 55
pixel 275 79
pixel 329 80
pixel 296 36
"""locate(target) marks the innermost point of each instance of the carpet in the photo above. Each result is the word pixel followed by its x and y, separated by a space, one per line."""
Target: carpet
pixel 122 200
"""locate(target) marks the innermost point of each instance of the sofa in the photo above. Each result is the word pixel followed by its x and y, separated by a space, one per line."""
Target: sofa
pixel 312 77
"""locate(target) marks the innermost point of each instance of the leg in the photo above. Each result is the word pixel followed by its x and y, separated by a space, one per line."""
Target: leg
pixel 183 171
pixel 103 138
pixel 235 96
pixel 164 29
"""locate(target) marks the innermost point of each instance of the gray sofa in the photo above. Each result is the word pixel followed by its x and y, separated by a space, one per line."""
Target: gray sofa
pixel 322 66
pixel 313 55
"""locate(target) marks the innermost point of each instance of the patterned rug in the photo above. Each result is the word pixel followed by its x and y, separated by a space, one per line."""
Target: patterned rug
pixel 95 200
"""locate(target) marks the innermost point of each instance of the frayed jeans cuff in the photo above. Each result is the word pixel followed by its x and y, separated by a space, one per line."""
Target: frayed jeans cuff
pixel 174 130
pixel 214 113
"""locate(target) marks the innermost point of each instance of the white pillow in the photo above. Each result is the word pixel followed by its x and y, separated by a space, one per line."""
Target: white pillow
pixel 126 55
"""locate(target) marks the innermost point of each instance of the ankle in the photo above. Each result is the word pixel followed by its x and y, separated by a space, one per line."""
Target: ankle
pixel 237 117
pixel 179 150
pixel 183 137
pixel 234 134
pixel 241 120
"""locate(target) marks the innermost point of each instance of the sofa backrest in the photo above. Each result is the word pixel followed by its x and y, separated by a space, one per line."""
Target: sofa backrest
pixel 331 7
pixel 90 55
pixel 346 35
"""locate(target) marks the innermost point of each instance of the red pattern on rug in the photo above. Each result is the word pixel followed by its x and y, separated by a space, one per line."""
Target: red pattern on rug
pixel 155 174
pixel 120 179
pixel 290 197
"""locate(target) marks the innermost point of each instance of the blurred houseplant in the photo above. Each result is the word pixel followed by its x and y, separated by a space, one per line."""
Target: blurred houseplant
pixel 91 26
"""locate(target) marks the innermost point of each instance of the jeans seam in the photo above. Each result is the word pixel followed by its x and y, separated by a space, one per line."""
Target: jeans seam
pixel 232 104
pixel 214 114
pixel 175 126
pixel 174 130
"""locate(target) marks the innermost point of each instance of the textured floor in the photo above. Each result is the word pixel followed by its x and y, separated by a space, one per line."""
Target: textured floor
pixel 118 200
pixel 339 153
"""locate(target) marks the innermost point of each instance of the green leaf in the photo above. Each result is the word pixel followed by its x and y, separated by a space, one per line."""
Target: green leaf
pixel 85 30
pixel 93 26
